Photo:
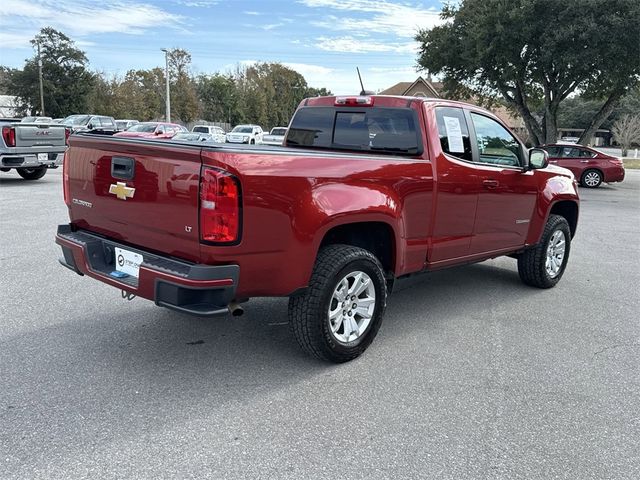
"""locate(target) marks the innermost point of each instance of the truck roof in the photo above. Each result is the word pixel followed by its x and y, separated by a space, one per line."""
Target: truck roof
pixel 387 100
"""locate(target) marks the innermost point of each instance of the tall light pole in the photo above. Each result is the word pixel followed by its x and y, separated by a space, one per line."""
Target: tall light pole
pixel 40 78
pixel 166 75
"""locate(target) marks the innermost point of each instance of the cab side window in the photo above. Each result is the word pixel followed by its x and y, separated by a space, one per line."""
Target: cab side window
pixel 454 133
pixel 495 144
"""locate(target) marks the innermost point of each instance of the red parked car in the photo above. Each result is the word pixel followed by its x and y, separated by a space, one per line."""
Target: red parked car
pixel 590 166
pixel 152 130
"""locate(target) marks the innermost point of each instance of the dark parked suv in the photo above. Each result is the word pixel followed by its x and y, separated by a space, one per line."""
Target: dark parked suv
pixel 589 166
pixel 93 123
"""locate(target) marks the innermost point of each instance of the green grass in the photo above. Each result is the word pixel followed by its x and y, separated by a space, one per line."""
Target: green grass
pixel 632 163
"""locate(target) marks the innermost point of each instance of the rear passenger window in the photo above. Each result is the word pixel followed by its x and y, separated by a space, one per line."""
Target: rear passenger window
pixel 375 129
pixel 573 152
pixel 453 132
pixel 495 144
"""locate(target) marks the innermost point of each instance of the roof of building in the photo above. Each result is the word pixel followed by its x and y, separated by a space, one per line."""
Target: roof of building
pixel 433 89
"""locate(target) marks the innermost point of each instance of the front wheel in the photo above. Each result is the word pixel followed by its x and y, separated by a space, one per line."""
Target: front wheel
pixel 339 314
pixel 543 265
pixel 32 173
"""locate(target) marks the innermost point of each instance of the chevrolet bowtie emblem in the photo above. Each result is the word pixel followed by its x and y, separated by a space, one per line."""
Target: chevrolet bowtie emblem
pixel 121 190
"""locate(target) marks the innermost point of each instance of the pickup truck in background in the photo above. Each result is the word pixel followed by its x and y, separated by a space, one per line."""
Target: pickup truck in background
pixel 31 148
pixel 275 136
pixel 365 190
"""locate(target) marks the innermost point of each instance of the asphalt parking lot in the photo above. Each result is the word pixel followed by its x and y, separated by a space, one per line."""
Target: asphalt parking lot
pixel 473 374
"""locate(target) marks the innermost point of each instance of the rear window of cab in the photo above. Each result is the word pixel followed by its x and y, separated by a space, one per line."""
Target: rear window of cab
pixel 370 129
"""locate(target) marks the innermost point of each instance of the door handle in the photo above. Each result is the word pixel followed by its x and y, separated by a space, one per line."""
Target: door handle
pixel 490 183
pixel 584 161
pixel 123 168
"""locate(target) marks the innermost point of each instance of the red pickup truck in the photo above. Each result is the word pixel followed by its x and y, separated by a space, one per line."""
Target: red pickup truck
pixel 365 190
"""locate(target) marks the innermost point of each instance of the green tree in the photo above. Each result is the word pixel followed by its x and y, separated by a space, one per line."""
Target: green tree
pixel 218 98
pixel 577 112
pixel 184 98
pixel 269 93
pixel 533 54
pixel 6 75
pixel 67 82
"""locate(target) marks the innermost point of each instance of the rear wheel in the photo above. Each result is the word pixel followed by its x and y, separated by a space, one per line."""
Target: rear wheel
pixel 339 314
pixel 32 173
pixel 591 179
pixel 543 265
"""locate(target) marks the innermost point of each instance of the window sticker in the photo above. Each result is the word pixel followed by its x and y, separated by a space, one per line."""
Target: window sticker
pixel 454 134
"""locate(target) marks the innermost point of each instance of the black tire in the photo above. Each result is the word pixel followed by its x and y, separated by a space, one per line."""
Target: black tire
pixel 32 173
pixel 309 312
pixel 532 263
pixel 591 178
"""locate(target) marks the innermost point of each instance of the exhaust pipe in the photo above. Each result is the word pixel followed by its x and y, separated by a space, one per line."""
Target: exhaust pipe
pixel 235 309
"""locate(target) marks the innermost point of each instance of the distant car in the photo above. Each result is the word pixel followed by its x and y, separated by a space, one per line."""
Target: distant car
pixel 57 120
pixel 275 136
pixel 193 137
pixel 590 167
pixel 125 124
pixel 570 139
pixel 158 130
pixel 94 123
pixel 37 120
pixel 216 133
pixel 251 134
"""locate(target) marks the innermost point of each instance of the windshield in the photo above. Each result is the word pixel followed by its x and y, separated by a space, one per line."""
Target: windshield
pixel 278 131
pixel 143 127
pixel 241 129
pixel 76 119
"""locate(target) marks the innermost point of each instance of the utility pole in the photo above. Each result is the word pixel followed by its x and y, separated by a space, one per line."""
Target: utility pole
pixel 40 78
pixel 166 75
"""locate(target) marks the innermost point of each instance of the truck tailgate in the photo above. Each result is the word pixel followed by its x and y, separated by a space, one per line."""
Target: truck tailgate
pixel 141 193
pixel 39 135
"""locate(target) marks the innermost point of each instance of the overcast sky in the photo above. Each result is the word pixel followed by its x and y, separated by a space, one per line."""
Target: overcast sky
pixel 322 39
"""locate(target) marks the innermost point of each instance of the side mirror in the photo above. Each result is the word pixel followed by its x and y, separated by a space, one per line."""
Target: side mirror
pixel 538 158
pixel 158 132
pixel 90 126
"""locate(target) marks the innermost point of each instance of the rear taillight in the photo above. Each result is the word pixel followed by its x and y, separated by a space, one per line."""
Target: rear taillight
pixel 67 133
pixel 65 179
pixel 219 207
pixel 616 161
pixel 9 136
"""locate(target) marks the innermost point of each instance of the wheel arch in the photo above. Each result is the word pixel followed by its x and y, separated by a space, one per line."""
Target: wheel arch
pixel 378 237
pixel 569 210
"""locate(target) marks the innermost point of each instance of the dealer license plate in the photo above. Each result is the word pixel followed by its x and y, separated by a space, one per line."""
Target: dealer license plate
pixel 128 262
pixel 43 157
